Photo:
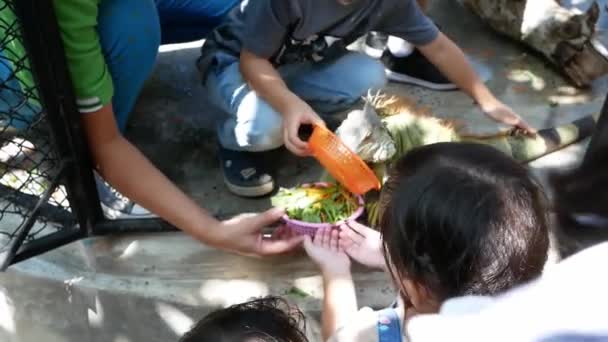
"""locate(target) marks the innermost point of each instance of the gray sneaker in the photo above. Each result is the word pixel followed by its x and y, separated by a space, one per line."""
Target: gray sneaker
pixel 117 206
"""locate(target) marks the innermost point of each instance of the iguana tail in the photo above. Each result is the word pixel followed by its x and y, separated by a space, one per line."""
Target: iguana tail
pixel 525 148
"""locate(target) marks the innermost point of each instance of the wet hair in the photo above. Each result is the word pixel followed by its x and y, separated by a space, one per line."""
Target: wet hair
pixel 463 218
pixel 269 319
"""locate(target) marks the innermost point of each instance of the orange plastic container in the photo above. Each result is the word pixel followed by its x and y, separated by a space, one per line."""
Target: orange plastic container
pixel 342 163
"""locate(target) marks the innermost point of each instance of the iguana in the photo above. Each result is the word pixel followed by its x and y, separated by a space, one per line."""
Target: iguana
pixel 390 126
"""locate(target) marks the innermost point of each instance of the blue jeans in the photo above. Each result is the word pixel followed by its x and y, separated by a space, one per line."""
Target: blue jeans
pixel 16 109
pixel 252 125
pixel 131 31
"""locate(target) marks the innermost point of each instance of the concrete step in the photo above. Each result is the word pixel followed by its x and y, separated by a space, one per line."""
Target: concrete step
pixel 168 279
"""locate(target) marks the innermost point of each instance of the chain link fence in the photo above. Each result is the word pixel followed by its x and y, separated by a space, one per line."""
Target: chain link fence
pixel 47 191
pixel 33 203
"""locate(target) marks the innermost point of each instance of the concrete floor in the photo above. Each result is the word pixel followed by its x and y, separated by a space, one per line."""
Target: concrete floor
pixel 152 287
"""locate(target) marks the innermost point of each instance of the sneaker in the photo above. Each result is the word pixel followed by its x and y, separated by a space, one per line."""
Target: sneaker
pixel 245 173
pixel 375 44
pixel 117 206
pixel 415 69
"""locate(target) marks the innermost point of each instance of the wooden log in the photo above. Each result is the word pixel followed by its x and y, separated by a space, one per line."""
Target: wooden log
pixel 564 36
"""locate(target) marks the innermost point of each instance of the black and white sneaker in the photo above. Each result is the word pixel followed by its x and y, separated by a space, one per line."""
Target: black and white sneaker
pixel 245 173
pixel 117 206
pixel 415 69
pixel 375 44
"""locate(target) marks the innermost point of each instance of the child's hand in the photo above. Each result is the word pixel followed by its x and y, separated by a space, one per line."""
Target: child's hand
pixel 299 113
pixel 502 113
pixel 363 244
pixel 325 251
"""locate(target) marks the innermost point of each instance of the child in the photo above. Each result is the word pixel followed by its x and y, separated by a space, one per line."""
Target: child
pixel 274 64
pixel 267 319
pixel 579 200
pixel 458 219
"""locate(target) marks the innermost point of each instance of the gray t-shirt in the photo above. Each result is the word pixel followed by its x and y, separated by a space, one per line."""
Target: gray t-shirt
pixel 290 31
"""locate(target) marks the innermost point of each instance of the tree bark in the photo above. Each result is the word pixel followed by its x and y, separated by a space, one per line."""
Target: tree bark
pixel 563 36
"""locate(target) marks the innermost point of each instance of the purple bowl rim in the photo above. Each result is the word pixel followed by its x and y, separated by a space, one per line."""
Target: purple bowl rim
pixel 304 224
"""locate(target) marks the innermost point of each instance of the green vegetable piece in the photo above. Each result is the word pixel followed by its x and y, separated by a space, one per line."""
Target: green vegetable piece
pixel 294 291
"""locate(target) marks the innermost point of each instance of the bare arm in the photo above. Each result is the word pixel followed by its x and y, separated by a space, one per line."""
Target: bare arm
pixel 266 81
pixel 268 84
pixel 339 299
pixel 450 59
pixel 339 302
pixel 130 172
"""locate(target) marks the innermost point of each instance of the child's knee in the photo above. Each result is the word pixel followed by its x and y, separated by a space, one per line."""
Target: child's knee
pixel 364 73
pixel 259 126
pixel 254 139
pixel 373 72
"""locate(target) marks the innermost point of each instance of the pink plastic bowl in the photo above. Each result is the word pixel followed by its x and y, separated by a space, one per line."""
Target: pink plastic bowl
pixel 306 228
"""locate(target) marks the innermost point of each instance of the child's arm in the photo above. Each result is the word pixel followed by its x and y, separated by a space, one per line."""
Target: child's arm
pixel 450 59
pixel 268 84
pixel 340 300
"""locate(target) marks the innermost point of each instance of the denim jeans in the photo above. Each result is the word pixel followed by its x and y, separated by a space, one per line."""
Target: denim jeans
pixel 251 124
pixel 131 31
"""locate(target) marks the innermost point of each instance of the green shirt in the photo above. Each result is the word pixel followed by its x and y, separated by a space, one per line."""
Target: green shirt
pixel 91 77
pixel 13 51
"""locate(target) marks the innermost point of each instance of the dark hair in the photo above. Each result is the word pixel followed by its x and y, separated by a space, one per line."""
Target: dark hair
pixel 463 218
pixel 269 319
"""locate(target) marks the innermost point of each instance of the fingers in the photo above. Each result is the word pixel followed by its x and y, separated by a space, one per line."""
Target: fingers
pixel 271 247
pixel 291 139
pixel 308 240
pixel 281 233
pixel 349 237
pixel 313 119
pixel 290 132
pixel 265 219
pixel 345 241
pixel 524 125
pixel 358 228
pixel 335 241
pixel 308 244
pixel 508 116
pixel 317 238
pixel 326 238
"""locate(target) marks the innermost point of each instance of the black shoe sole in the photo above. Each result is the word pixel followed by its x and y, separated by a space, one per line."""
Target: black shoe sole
pixel 250 191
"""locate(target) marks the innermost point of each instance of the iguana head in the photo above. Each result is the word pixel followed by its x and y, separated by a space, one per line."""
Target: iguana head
pixel 365 134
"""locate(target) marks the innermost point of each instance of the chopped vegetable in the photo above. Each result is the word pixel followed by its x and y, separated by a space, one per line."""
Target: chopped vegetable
pixel 316 204
pixel 297 292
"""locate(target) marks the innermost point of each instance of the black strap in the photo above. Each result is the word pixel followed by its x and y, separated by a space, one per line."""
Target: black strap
pixel 338 47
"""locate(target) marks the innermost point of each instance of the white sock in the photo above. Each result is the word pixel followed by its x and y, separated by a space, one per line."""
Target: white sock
pixel 399 47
